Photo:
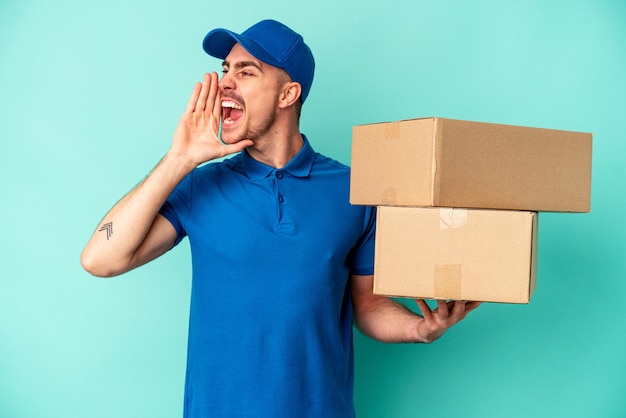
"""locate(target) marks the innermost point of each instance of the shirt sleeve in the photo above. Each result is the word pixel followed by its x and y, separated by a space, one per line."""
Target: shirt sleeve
pixel 177 207
pixel 363 255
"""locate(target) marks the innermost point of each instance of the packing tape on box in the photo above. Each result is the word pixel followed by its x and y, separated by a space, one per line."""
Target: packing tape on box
pixel 448 277
pixel 448 281
pixel 392 130
pixel 450 218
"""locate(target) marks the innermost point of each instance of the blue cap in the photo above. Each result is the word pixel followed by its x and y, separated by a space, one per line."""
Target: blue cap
pixel 271 42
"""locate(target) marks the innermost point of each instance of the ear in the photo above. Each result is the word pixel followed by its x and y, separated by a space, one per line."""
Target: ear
pixel 289 94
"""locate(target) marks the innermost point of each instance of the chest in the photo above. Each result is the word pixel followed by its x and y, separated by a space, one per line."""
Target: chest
pixel 277 219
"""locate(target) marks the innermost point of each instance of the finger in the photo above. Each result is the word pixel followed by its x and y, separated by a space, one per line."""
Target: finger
pixel 217 104
pixel 470 306
pixel 193 99
pixel 465 306
pixel 211 98
pixel 426 313
pixel 236 147
pixel 442 309
pixel 458 309
pixel 462 308
pixel 204 93
pixel 227 149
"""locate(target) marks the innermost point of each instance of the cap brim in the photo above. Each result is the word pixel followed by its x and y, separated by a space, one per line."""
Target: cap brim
pixel 219 42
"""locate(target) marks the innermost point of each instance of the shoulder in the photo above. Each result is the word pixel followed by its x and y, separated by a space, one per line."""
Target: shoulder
pixel 216 169
pixel 324 164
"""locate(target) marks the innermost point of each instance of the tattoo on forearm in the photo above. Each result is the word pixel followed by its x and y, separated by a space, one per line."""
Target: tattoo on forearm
pixel 108 227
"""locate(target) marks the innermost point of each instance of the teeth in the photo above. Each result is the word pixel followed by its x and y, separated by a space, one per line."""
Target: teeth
pixel 228 103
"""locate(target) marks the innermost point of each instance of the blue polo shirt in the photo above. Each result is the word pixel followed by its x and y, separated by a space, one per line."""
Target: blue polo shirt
pixel 270 330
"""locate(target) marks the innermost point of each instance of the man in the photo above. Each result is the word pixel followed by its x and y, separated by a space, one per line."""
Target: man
pixel 282 263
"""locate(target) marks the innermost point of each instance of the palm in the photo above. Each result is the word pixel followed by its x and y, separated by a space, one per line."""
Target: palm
pixel 436 322
pixel 196 135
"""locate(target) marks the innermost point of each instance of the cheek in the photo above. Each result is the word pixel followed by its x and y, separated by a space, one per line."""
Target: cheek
pixel 264 103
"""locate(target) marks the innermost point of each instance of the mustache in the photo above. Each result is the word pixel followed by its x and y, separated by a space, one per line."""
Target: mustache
pixel 234 97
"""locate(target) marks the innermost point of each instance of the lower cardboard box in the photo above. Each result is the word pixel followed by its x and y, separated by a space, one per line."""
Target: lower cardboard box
pixel 457 254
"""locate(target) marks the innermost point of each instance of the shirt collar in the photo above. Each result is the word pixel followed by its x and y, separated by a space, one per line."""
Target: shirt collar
pixel 299 166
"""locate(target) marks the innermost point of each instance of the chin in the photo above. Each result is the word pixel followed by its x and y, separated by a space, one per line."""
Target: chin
pixel 230 139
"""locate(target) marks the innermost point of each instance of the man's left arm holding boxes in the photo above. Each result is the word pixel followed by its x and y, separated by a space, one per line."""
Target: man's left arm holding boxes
pixel 386 320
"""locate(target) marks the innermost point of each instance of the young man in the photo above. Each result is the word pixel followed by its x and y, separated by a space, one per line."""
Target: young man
pixel 282 263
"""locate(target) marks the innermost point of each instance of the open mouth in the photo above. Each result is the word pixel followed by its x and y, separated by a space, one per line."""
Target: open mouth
pixel 231 112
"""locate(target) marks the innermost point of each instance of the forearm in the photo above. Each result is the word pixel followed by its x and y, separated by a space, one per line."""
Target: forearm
pixel 132 233
pixel 115 244
pixel 386 320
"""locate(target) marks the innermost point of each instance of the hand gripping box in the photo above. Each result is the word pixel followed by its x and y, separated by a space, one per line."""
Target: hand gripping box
pixel 461 254
pixel 452 163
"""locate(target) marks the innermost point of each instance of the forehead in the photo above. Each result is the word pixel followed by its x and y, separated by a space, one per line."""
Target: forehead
pixel 239 55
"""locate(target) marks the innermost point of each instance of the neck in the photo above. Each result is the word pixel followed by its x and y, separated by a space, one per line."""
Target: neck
pixel 278 151
pixel 279 145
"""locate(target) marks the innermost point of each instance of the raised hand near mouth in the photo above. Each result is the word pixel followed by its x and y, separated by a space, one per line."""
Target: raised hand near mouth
pixel 196 136
pixel 133 232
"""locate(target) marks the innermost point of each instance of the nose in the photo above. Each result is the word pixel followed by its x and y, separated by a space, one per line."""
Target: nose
pixel 226 82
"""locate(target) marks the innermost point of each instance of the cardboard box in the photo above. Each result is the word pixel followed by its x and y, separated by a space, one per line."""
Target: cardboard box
pixel 451 163
pixel 444 253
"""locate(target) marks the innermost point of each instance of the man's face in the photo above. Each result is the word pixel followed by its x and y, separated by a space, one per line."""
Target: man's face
pixel 249 94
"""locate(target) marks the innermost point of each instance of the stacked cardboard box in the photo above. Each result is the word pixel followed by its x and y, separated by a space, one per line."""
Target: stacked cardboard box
pixel 458 203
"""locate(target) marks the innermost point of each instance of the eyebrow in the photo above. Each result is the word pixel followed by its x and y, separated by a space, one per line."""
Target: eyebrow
pixel 242 64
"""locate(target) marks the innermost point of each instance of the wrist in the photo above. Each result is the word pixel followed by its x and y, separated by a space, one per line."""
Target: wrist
pixel 423 333
pixel 177 163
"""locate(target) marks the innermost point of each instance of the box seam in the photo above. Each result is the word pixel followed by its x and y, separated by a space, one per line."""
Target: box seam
pixel 433 168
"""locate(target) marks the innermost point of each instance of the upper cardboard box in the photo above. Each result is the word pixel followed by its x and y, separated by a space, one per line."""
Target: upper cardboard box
pixel 454 163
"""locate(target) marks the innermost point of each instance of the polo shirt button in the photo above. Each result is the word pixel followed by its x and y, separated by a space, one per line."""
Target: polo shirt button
pixel 279 174
pixel 281 199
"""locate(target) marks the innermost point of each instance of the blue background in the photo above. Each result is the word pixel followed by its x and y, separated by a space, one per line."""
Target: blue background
pixel 91 92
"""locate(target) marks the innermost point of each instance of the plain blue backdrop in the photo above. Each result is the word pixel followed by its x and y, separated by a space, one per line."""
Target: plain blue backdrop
pixel 91 92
